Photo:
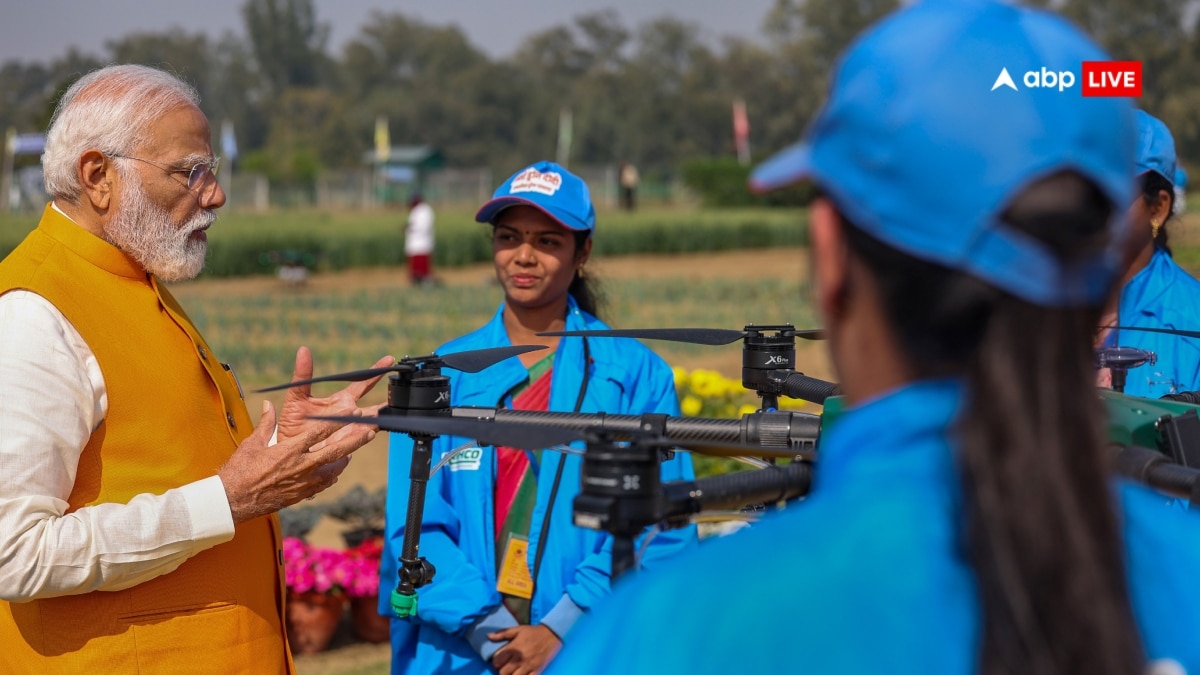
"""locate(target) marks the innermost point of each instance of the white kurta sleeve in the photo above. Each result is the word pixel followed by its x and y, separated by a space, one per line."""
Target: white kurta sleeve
pixel 52 397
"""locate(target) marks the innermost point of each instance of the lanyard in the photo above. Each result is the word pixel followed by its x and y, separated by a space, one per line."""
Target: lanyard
pixel 541 544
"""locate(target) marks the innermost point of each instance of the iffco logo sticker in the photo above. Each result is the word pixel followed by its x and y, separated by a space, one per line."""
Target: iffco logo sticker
pixel 1098 78
pixel 467 460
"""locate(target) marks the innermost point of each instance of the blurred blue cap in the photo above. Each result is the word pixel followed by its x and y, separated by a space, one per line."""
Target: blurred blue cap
pixel 922 144
pixel 549 188
pixel 1155 147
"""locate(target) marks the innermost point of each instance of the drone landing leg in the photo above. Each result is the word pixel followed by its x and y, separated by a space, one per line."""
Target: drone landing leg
pixel 622 555
pixel 1118 380
pixel 415 572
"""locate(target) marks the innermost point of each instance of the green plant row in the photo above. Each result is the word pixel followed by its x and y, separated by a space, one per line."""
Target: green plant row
pixel 245 244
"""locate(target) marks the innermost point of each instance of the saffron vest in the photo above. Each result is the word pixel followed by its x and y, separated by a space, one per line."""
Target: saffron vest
pixel 175 415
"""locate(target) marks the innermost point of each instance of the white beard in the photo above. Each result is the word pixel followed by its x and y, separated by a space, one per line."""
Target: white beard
pixel 145 231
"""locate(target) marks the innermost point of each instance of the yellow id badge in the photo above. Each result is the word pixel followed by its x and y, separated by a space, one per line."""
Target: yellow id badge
pixel 514 578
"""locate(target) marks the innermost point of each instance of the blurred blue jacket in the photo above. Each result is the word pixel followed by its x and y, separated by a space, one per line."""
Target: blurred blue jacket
pixel 1162 295
pixel 457 610
pixel 868 574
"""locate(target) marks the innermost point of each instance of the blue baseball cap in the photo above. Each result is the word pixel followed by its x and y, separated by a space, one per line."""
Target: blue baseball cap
pixel 1155 147
pixel 549 188
pixel 925 139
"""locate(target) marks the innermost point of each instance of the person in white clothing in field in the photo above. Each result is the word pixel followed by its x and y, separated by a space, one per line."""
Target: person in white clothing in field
pixel 418 240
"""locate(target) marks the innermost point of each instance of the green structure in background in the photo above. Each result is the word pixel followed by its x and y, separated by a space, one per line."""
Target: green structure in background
pixel 402 170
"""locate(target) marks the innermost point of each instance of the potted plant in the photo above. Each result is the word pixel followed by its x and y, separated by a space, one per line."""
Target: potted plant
pixel 297 521
pixel 317 579
pixel 362 512
pixel 362 572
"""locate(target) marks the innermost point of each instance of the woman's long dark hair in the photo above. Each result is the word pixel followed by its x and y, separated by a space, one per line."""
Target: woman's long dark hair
pixel 1153 184
pixel 584 287
pixel 1039 526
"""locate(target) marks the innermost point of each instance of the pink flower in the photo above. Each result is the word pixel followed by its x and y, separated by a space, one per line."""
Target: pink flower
pixel 354 572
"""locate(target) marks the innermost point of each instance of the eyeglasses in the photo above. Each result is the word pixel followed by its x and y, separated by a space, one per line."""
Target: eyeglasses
pixel 196 176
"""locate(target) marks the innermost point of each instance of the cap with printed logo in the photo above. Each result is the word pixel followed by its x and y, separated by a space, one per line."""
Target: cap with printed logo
pixel 1155 147
pixel 548 187
pixel 918 150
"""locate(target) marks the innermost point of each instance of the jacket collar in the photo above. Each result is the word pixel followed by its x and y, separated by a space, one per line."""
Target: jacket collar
pixel 1144 292
pixel 57 226
pixel 503 376
pixel 918 418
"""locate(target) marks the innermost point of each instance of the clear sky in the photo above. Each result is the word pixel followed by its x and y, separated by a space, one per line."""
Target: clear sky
pixel 39 30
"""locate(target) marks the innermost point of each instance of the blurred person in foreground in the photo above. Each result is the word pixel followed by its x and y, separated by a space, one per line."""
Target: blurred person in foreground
pixel 419 240
pixel 963 517
pixel 513 571
pixel 137 526
pixel 1155 291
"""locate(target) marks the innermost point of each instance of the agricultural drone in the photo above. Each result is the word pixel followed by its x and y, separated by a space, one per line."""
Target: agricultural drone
pixel 1156 442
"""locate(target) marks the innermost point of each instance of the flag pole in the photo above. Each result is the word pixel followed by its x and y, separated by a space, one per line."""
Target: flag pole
pixel 564 137
pixel 10 141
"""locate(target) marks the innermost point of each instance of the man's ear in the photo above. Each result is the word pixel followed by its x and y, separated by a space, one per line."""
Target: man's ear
pixel 830 259
pixel 96 175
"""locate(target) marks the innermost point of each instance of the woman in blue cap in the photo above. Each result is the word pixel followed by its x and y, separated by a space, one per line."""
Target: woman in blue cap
pixel 1156 292
pixel 962 517
pixel 513 572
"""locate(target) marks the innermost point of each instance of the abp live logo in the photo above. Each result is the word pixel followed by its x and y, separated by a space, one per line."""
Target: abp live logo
pixel 1099 78
pixel 1112 78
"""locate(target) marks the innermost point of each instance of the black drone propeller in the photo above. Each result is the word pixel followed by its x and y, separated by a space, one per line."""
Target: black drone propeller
pixel 535 436
pixel 471 361
pixel 1167 331
pixel 697 336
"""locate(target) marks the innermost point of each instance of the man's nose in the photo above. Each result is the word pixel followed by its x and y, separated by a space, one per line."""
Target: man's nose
pixel 212 197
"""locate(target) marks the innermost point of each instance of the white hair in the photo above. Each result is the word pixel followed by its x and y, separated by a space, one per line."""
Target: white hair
pixel 109 110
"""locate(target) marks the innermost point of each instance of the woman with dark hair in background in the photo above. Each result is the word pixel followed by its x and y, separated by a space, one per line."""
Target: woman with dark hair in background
pixel 962 517
pixel 1156 292
pixel 513 572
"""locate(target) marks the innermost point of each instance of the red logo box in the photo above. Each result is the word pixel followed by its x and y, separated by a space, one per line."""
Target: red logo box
pixel 1112 78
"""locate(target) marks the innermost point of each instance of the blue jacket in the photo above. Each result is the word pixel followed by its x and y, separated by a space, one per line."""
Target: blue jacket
pixel 867 575
pixel 1162 295
pixel 457 610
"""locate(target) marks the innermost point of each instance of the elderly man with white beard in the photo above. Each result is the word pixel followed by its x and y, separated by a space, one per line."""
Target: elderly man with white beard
pixel 137 497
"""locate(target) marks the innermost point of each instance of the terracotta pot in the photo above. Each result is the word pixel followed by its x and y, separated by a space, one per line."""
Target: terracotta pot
pixel 312 619
pixel 369 626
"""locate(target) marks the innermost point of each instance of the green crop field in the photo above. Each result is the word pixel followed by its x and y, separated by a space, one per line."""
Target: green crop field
pixel 244 243
pixel 349 329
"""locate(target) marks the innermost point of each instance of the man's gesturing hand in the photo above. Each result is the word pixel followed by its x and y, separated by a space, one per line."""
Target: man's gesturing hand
pixel 300 404
pixel 261 478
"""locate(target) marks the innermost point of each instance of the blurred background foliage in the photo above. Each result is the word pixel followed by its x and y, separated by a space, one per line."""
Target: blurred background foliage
pixel 655 94
pixel 658 94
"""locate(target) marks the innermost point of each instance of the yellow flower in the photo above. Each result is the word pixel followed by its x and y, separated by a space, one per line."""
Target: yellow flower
pixel 705 383
pixel 681 376
pixel 747 409
pixel 786 403
pixel 691 405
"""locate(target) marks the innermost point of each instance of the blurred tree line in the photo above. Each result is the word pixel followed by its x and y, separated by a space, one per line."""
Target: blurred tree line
pixel 657 94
